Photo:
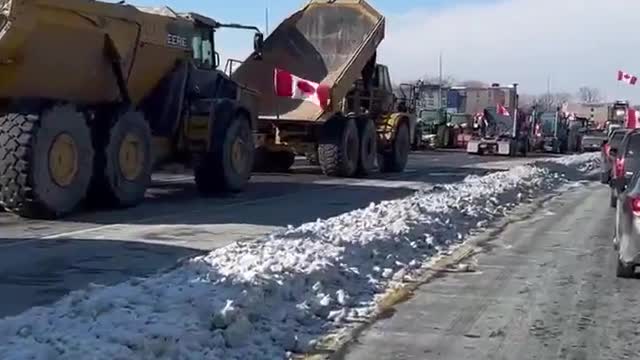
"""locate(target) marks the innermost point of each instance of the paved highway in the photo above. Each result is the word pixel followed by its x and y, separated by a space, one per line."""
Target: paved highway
pixel 40 261
pixel 544 288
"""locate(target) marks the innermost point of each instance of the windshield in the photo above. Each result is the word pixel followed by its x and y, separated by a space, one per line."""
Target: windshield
pixel 429 116
pixel 548 121
pixel 616 138
pixel 202 46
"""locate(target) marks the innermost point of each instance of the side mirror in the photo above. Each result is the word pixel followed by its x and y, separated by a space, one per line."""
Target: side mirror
pixel 258 45
pixel 216 59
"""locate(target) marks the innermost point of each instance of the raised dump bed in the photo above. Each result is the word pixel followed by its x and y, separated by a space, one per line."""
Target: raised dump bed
pixel 334 43
pixel 328 42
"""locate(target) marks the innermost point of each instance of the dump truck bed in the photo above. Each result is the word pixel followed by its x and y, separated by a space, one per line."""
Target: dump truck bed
pixel 328 42
pixel 55 49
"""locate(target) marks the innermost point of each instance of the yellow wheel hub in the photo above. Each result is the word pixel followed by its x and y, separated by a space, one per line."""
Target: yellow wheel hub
pixel 239 155
pixel 63 160
pixel 131 157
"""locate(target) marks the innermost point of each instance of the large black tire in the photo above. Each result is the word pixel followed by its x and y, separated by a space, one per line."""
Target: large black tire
pixel 221 169
pixel 368 147
pixel 273 161
pixel 524 148
pixel 624 271
pixel 564 147
pixel 339 148
pixel 29 166
pixel 417 140
pixel 613 201
pixel 123 162
pixel 396 159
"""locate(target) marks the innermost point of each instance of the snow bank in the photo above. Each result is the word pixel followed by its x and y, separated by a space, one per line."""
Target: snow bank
pixel 264 298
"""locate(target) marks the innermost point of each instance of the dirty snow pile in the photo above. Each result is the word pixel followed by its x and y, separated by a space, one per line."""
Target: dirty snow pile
pixel 277 294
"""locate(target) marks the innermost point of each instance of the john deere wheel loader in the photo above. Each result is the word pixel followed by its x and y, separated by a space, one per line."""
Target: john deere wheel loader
pixel 94 95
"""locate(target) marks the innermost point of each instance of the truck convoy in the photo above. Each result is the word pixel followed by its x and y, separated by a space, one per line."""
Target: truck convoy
pixel 502 133
pixel 94 95
pixel 332 43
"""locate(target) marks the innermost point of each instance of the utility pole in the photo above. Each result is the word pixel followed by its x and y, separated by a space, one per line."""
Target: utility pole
pixel 549 100
pixel 548 85
pixel 440 102
pixel 266 18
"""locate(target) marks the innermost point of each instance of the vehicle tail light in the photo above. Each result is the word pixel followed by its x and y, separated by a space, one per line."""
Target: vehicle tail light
pixel 619 168
pixel 635 205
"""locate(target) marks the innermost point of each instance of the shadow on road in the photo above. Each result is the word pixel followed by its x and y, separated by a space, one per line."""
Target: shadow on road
pixel 273 199
pixel 39 273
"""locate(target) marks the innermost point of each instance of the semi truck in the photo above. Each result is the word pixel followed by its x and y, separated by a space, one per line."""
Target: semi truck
pixel 552 133
pixel 502 134
pixel 362 128
pixel 94 96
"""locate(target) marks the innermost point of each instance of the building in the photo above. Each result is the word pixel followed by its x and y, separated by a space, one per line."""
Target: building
pixel 598 112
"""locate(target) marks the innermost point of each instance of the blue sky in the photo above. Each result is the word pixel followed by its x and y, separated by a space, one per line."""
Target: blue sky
pixel 252 11
pixel 570 42
pixel 234 43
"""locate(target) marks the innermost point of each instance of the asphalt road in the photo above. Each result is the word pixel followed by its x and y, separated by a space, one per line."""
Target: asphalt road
pixel 40 261
pixel 544 288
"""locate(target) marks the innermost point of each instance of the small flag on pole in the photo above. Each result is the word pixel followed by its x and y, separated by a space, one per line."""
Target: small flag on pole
pixel 626 77
pixel 501 110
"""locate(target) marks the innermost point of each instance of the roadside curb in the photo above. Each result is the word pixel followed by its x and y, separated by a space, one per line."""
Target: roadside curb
pixel 335 346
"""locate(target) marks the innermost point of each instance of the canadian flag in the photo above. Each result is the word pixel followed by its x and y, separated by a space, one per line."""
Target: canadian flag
pixel 632 119
pixel 626 77
pixel 294 87
pixel 501 110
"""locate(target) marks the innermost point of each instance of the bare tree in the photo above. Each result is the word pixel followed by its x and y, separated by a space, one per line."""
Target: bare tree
pixel 549 101
pixel 447 80
pixel 473 84
pixel 589 95
pixel 562 98
pixel 526 101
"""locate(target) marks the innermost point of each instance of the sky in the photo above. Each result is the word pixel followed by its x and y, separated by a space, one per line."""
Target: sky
pixel 563 44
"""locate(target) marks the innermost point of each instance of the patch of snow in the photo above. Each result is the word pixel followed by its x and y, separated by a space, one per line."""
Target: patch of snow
pixel 277 294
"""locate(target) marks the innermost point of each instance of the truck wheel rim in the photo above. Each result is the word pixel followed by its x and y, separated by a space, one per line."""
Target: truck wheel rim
pixel 63 160
pixel 239 156
pixel 131 157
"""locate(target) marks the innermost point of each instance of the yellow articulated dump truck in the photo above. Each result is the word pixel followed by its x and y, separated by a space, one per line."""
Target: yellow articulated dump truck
pixel 332 43
pixel 95 95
